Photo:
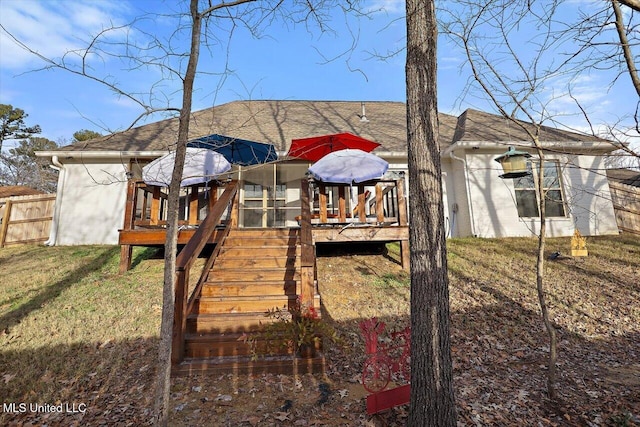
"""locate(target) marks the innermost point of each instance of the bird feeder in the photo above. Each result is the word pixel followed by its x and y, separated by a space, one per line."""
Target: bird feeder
pixel 514 163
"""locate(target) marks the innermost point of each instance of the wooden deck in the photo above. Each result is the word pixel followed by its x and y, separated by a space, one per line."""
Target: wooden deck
pixel 383 218
pixel 252 270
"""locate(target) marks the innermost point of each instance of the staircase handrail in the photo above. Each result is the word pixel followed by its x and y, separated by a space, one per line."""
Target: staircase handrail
pixel 193 248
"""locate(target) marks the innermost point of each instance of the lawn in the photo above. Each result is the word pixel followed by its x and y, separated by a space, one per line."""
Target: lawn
pixel 73 331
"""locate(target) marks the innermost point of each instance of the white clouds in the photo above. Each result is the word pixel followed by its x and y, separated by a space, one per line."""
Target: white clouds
pixel 392 7
pixel 562 95
pixel 50 28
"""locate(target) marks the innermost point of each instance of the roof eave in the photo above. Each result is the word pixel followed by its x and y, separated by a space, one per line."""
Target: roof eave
pixel 73 154
pixel 588 147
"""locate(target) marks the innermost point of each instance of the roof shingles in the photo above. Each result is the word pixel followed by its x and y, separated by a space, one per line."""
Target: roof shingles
pixel 278 122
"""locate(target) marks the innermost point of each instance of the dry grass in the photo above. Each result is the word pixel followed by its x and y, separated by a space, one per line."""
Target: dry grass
pixel 72 330
pixel 70 325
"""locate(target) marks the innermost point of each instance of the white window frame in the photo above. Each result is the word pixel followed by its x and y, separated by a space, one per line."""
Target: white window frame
pixel 530 184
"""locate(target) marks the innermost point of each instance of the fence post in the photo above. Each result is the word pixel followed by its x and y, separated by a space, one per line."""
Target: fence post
pixel 5 223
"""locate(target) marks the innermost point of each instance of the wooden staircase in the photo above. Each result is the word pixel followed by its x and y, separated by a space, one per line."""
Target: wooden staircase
pixel 255 270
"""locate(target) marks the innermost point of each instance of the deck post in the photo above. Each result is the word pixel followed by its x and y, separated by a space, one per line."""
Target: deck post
pixel 307 250
pixel 362 211
pixel 235 207
pixel 193 204
pixel 342 207
pixel 379 206
pixel 403 221
pixel 213 195
pixel 126 251
pixel 154 215
pixel 322 202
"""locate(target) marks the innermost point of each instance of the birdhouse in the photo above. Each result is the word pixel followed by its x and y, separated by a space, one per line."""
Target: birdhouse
pixel 514 163
pixel 578 244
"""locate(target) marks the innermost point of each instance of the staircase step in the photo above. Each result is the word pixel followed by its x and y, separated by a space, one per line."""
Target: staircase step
pixel 229 289
pixel 240 365
pixel 224 323
pixel 234 344
pixel 261 251
pixel 264 232
pixel 257 262
pixel 231 241
pixel 225 275
pixel 241 304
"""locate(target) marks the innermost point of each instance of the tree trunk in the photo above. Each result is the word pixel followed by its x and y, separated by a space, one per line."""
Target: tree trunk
pixel 432 399
pixel 553 356
pixel 163 379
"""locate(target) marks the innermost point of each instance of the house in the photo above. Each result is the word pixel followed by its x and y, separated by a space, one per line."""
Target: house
pixel 93 174
pixel 264 252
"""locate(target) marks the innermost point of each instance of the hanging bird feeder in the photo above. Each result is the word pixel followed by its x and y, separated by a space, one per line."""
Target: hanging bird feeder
pixel 514 163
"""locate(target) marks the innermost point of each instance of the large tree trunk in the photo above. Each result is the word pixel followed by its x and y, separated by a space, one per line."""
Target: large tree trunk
pixel 432 399
pixel 168 291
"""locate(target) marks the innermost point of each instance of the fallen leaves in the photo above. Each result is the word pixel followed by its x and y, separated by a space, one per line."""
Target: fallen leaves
pixel 498 349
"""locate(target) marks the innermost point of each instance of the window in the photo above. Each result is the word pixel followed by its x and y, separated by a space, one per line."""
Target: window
pixel 527 196
pixel 271 195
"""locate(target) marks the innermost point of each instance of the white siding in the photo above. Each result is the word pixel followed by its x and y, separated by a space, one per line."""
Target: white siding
pixel 586 195
pixel 91 200
pixel 92 203
pixel 587 190
pixel 457 198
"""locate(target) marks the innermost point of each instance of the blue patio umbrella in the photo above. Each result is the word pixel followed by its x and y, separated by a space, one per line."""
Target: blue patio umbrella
pixel 237 151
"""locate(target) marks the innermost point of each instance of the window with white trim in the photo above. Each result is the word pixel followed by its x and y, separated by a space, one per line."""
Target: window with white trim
pixel 527 198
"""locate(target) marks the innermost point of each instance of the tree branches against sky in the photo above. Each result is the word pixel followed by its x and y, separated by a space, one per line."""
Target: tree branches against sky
pixel 280 63
pixel 570 49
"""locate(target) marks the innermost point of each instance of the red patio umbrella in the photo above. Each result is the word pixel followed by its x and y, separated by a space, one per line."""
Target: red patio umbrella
pixel 317 147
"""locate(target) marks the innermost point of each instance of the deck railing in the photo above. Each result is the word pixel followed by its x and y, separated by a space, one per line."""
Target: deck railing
pixel 184 299
pixel 380 213
pixel 386 205
pixel 145 215
pixel 149 204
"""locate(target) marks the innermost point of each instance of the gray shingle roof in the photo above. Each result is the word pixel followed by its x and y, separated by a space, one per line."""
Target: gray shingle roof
pixel 474 125
pixel 624 176
pixel 278 122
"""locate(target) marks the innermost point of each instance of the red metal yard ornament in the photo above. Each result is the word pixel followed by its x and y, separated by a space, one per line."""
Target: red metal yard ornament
pixel 316 147
pixel 385 363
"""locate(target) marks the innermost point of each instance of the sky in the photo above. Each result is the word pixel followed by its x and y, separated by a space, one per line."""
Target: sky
pixel 349 60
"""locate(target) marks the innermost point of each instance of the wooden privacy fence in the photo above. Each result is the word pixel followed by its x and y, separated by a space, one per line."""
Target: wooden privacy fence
pixel 626 202
pixel 26 219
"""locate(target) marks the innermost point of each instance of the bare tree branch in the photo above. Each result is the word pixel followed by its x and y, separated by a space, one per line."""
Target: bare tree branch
pixel 633 4
pixel 626 48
